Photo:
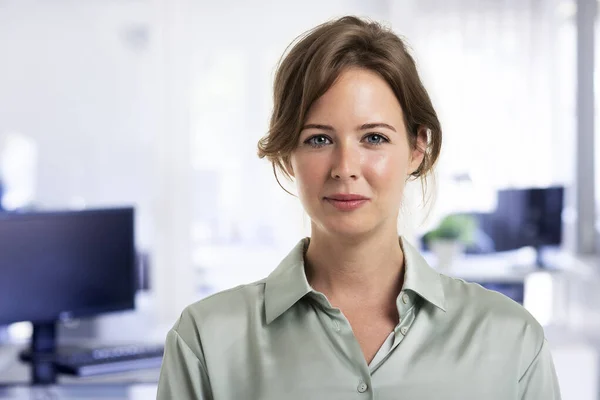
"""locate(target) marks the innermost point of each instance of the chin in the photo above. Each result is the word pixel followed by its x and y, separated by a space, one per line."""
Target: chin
pixel 346 227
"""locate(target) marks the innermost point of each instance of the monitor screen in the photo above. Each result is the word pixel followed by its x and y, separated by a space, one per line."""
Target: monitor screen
pixel 56 265
pixel 523 217
pixel 528 217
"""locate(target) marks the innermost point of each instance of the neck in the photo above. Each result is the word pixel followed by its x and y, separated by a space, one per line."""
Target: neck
pixel 367 270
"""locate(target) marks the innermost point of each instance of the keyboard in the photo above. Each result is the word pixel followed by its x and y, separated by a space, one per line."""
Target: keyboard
pixel 109 360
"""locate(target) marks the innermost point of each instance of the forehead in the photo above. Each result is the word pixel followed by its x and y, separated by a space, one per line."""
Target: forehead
pixel 358 94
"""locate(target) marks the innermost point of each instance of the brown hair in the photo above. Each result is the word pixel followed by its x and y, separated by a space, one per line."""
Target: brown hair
pixel 316 60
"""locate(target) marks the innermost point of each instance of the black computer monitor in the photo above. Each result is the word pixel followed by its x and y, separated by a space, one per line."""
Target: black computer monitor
pixel 529 217
pixel 62 265
pixel 525 217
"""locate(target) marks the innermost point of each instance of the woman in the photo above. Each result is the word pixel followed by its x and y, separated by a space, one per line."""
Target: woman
pixel 354 312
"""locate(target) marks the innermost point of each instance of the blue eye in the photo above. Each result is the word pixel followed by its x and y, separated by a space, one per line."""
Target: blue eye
pixel 376 139
pixel 318 141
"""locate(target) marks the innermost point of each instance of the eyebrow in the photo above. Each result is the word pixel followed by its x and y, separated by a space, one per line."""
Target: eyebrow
pixel 362 127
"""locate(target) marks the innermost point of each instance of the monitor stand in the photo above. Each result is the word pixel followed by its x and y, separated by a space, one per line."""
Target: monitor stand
pixel 541 257
pixel 42 353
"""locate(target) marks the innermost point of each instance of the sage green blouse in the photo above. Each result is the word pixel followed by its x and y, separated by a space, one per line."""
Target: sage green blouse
pixel 278 339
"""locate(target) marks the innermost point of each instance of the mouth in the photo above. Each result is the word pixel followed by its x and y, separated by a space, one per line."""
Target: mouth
pixel 346 197
pixel 346 202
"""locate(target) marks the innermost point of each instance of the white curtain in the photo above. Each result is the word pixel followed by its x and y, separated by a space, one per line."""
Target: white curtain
pixel 501 75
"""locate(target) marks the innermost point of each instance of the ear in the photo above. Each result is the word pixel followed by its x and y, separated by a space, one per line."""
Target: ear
pixel 418 153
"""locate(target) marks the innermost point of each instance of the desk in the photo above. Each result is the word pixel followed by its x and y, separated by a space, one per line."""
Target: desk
pixel 14 383
pixel 79 392
pixel 137 326
pixel 15 372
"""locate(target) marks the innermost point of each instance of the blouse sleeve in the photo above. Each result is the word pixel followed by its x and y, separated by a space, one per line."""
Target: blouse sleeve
pixel 540 381
pixel 183 374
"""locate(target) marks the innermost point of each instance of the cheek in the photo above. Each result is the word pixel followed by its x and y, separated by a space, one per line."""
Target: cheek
pixel 387 168
pixel 310 173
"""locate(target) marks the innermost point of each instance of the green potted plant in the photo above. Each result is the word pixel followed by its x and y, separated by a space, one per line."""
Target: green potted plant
pixel 449 239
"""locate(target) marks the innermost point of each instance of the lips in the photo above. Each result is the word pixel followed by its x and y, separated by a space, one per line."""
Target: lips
pixel 346 197
pixel 346 202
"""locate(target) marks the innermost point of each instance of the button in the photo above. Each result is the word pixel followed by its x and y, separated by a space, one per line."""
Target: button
pixel 404 330
pixel 405 298
pixel 362 387
pixel 336 326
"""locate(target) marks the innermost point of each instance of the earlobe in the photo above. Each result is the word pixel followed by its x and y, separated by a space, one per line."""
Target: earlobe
pixel 416 161
pixel 418 153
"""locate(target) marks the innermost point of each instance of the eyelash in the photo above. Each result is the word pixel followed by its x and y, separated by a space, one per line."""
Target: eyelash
pixel 310 140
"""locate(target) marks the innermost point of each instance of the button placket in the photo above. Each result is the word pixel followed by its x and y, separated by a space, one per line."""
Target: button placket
pixel 362 387
pixel 403 304
pixel 405 298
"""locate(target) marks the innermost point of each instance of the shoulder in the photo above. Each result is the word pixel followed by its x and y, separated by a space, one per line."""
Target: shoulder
pixel 464 296
pixel 471 299
pixel 224 307
pixel 235 301
pixel 494 315
pixel 222 314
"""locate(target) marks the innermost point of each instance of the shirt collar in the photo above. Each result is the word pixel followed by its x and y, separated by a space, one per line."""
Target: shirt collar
pixel 288 283
pixel 421 278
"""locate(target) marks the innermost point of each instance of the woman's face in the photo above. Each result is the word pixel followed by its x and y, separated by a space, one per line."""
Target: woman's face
pixel 353 156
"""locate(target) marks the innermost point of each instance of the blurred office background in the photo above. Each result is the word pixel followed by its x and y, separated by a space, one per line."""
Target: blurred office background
pixel 158 105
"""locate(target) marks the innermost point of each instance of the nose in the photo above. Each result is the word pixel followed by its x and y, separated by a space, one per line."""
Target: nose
pixel 345 163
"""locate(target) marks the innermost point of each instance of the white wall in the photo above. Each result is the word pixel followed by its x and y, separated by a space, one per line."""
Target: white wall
pixel 80 79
